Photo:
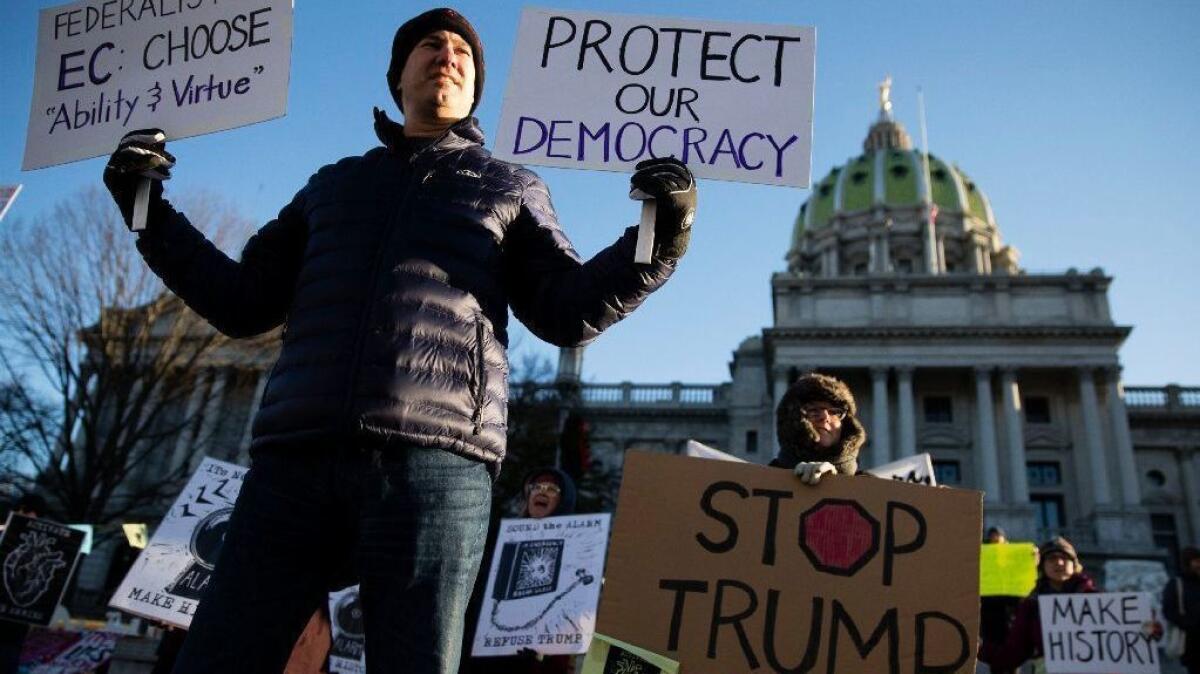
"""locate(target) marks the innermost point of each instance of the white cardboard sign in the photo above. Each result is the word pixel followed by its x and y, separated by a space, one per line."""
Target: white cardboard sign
pixel 8 194
pixel 703 451
pixel 105 68
pixel 543 586
pixel 170 575
pixel 1093 633
pixel 916 469
pixel 593 90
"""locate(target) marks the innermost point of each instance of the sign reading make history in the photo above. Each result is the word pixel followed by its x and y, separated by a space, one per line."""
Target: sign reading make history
pixel 169 577
pixel 728 567
pixel 1109 632
pixel 594 90
pixel 105 68
pixel 543 586
pixel 37 558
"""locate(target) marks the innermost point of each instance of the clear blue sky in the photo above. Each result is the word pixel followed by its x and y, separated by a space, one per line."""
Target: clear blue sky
pixel 1080 120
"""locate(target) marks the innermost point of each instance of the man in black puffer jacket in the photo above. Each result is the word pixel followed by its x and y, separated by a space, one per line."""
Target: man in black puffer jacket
pixel 383 420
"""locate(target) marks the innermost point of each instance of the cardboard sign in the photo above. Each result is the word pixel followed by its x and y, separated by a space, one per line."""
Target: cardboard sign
pixel 37 558
pixel 700 450
pixel 8 194
pixel 106 68
pixel 170 575
pixel 729 567
pixel 347 650
pixel 593 90
pixel 66 652
pixel 610 656
pixel 1089 633
pixel 543 586
pixel 1007 569
pixel 915 469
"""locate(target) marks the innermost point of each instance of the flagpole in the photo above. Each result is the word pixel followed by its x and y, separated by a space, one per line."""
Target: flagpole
pixel 931 257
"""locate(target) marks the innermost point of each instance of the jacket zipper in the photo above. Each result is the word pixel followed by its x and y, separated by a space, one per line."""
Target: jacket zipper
pixel 480 376
pixel 389 236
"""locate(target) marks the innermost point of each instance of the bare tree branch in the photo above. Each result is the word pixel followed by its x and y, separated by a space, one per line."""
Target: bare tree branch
pixel 97 362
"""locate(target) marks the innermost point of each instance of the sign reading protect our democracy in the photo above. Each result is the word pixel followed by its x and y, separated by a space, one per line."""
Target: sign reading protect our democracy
pixel 728 567
pixel 1089 633
pixel 604 91
pixel 169 577
pixel 107 67
pixel 37 558
pixel 543 586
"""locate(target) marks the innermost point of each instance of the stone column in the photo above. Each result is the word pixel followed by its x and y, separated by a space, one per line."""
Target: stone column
pixel 212 413
pixel 1090 411
pixel 1191 492
pixel 1118 418
pixel 187 433
pixel 781 385
pixel 908 421
pixel 881 441
pixel 1015 431
pixel 247 433
pixel 989 464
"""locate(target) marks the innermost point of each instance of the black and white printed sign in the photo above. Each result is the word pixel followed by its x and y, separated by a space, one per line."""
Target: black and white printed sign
pixel 347 652
pixel 915 469
pixel 169 577
pixel 37 558
pixel 1090 633
pixel 543 586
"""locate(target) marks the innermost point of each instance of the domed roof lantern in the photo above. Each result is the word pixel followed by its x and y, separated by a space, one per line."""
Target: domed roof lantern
pixel 887 133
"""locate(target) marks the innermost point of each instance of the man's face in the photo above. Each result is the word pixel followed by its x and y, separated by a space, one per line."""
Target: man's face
pixel 1058 567
pixel 827 420
pixel 438 80
pixel 996 537
pixel 1194 565
pixel 542 497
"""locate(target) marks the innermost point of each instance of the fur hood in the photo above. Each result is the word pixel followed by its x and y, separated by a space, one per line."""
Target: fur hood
pixel 797 436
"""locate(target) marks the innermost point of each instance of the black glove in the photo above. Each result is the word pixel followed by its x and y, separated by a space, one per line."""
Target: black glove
pixel 140 154
pixel 669 182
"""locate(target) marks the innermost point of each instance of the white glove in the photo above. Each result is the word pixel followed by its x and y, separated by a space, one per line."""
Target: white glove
pixel 810 472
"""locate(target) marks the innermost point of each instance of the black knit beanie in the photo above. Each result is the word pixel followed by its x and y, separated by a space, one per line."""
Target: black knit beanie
pixel 421 25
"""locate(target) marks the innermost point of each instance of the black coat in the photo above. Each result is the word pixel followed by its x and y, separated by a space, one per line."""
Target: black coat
pixel 392 274
pixel 1187 616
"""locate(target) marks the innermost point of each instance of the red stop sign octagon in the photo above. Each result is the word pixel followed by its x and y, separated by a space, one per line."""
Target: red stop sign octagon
pixel 838 536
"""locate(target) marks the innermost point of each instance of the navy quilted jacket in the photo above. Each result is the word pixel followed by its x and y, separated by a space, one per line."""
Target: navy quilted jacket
pixel 392 274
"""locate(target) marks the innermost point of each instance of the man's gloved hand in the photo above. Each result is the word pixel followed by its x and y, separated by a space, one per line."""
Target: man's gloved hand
pixel 669 182
pixel 140 154
pixel 811 472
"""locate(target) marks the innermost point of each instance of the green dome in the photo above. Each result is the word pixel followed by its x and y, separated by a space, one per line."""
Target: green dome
pixel 891 178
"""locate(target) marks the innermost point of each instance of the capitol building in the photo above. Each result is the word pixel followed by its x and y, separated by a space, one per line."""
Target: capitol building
pixel 899 282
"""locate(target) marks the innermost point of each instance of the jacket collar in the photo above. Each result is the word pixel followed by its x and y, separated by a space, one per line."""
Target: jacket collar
pixel 464 133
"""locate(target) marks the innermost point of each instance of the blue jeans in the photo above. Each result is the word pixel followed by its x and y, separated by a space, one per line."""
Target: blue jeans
pixel 407 523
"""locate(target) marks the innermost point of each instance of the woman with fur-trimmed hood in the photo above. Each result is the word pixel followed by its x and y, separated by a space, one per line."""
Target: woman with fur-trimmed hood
pixel 819 432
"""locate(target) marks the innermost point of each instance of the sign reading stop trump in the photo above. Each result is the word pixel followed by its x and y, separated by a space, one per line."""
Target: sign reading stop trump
pixel 729 567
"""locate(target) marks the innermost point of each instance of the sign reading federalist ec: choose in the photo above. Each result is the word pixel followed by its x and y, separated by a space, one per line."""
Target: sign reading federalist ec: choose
pixel 604 91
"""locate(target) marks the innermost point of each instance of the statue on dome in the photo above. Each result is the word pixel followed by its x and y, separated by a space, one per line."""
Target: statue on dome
pixel 885 97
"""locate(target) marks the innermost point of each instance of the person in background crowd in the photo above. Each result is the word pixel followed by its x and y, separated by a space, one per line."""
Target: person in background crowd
pixel 996 613
pixel 383 422
pixel 1059 572
pixel 12 634
pixel 818 431
pixel 1186 615
pixel 547 492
